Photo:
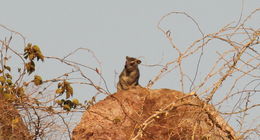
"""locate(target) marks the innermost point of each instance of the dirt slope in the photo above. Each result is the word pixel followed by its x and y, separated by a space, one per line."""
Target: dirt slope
pixel 142 114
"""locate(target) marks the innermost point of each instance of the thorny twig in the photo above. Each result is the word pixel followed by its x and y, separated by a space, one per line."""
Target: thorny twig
pixel 237 63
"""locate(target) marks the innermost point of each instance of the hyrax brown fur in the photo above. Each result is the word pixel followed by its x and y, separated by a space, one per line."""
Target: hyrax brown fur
pixel 130 75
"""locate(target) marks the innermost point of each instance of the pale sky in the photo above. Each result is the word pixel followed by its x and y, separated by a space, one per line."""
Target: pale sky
pixel 113 29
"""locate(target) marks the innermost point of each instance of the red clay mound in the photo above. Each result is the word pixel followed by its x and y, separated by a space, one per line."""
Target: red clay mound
pixel 142 114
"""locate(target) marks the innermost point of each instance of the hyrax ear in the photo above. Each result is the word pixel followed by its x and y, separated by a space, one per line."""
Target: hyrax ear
pixel 138 61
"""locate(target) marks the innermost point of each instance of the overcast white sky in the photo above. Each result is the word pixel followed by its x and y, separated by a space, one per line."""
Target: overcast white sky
pixel 114 29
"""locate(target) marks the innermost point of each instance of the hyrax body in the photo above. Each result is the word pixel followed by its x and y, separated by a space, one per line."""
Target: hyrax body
pixel 130 75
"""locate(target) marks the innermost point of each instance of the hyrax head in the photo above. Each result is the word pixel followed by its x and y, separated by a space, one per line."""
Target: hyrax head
pixel 131 63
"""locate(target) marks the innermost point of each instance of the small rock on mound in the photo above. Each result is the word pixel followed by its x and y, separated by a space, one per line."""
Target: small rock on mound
pixel 144 114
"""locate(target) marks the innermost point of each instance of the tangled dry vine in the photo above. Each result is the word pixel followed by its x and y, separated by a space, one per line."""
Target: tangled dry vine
pixel 231 79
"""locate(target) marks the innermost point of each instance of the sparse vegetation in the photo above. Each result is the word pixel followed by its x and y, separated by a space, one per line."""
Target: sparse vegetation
pixel 34 107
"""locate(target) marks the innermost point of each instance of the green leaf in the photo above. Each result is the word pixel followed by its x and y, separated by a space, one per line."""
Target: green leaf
pixel 30 67
pixel 69 91
pixel 37 80
pixel 7 67
pixel 59 91
pixel 31 56
pixel 75 101
pixel 2 79
pixel 59 102
pixel 7 75
pixel 20 91
pixel 66 107
pixel 36 48
pixel 40 56
pixel 9 82
pixel 9 96
pixel 59 85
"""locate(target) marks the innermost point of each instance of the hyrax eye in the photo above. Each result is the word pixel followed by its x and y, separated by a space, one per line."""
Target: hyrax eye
pixel 132 62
